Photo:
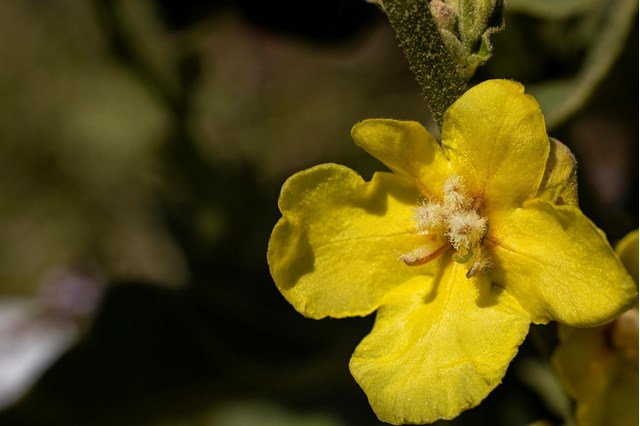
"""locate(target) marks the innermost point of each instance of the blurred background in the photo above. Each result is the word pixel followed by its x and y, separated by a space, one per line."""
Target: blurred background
pixel 142 148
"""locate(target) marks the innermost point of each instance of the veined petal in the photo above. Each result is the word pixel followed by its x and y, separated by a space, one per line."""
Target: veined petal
pixel 437 350
pixel 560 182
pixel 558 265
pixel 335 252
pixel 407 148
pixel 495 138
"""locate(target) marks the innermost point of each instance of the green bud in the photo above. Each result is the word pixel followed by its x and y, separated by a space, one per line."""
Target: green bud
pixel 444 15
pixel 465 27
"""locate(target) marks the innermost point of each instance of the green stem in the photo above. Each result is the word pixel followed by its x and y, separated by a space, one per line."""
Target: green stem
pixel 433 65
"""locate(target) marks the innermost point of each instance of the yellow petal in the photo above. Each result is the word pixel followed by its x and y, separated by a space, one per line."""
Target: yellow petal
pixel 558 265
pixel 436 350
pixel 599 366
pixel 406 148
pixel 495 138
pixel 335 252
pixel 627 249
pixel 560 182
pixel 603 383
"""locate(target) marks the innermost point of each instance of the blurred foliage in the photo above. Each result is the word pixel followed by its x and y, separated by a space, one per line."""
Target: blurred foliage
pixel 600 29
pixel 148 141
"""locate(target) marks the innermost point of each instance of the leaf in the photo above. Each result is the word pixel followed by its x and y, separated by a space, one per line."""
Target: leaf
pixel 429 59
pixel 559 99
pixel 551 9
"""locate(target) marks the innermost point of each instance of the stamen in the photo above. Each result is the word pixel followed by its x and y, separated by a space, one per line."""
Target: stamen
pixel 454 193
pixel 430 218
pixel 466 228
pixel 473 270
pixel 422 255
pixel 454 219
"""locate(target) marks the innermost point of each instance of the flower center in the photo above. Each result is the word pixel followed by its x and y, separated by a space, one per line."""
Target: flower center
pixel 454 222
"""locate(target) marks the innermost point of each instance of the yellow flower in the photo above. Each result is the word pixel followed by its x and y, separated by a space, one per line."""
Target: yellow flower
pixel 459 250
pixel 599 366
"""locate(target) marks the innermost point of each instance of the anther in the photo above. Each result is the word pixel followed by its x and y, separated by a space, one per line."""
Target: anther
pixel 422 255
pixel 430 218
pixel 454 193
pixel 473 270
pixel 454 219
